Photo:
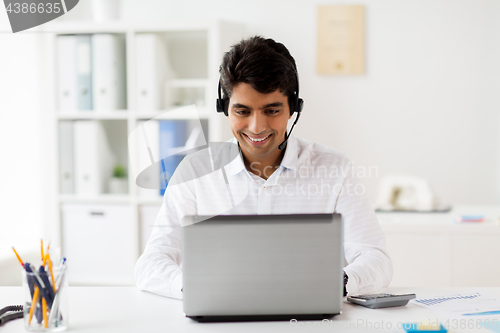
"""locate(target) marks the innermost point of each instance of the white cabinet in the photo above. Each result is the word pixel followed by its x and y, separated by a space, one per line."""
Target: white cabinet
pixel 98 241
pixel 431 250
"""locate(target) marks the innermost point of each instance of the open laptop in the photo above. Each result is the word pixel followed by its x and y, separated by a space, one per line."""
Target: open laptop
pixel 262 267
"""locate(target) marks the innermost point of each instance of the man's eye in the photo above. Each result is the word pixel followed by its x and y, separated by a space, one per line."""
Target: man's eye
pixel 273 111
pixel 241 112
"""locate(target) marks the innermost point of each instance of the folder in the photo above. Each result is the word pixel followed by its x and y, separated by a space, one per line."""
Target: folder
pixel 66 73
pixel 151 65
pixel 108 69
pixel 94 160
pixel 84 71
pixel 66 176
pixel 173 134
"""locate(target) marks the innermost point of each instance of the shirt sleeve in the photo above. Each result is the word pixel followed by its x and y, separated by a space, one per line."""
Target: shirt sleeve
pixel 158 269
pixel 369 265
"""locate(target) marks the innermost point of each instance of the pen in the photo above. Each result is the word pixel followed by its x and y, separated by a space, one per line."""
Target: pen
pixel 41 285
pixel 35 280
pixel 50 292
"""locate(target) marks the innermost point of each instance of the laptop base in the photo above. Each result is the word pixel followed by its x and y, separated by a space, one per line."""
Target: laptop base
pixel 220 319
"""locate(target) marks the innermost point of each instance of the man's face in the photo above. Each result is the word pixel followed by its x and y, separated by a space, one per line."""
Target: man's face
pixel 258 121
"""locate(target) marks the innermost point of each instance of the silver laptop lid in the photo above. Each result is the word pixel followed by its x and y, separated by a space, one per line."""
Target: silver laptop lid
pixel 262 265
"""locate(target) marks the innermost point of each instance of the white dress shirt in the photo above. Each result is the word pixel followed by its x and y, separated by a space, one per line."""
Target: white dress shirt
pixel 312 178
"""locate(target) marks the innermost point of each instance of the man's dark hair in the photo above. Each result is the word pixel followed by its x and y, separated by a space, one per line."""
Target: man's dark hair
pixel 263 63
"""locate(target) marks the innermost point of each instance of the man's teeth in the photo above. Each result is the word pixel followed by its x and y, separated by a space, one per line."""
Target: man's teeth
pixel 257 140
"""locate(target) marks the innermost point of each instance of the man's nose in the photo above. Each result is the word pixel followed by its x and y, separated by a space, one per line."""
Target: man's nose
pixel 257 123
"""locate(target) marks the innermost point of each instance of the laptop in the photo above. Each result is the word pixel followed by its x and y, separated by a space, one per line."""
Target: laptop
pixel 262 267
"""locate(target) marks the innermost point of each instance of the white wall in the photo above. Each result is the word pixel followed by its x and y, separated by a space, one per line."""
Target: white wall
pixel 21 148
pixel 428 104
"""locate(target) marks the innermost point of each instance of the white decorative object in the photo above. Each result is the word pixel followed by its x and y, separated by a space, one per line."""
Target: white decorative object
pixel 401 192
pixel 118 185
pixel 105 10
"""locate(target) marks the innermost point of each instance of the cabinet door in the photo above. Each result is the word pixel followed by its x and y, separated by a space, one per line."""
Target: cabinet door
pixel 98 242
pixel 475 260
pixel 419 259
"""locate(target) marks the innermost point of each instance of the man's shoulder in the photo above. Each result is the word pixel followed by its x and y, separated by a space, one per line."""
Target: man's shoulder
pixel 316 151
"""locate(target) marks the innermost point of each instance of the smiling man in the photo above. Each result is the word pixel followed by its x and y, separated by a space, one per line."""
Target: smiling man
pixel 258 122
pixel 266 171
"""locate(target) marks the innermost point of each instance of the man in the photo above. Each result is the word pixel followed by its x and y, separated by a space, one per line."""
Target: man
pixel 264 171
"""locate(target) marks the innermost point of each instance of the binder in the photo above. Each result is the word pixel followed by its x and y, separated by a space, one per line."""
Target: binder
pixel 151 58
pixel 94 160
pixel 84 71
pixel 149 141
pixel 173 134
pixel 108 69
pixel 74 61
pixel 66 73
pixel 66 177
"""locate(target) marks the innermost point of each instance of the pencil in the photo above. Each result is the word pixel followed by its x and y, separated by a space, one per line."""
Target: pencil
pixel 33 304
pixel 41 247
pixel 18 257
pixel 47 258
pixel 44 310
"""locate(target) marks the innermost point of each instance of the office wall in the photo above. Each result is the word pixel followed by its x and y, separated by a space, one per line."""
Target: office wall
pixel 21 148
pixel 428 104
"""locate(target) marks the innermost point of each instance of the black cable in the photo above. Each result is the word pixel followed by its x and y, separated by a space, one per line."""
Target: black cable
pixel 13 308
pixel 18 313
pixel 10 317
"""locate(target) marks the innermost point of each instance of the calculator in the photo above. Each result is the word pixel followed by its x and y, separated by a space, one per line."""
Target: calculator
pixel 376 301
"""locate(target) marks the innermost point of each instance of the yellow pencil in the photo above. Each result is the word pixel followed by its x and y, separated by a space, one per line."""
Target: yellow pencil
pixel 18 257
pixel 44 309
pixel 47 258
pixel 41 247
pixel 33 304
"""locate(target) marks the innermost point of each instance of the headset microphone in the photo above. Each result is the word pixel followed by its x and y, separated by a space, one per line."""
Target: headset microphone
pixel 283 144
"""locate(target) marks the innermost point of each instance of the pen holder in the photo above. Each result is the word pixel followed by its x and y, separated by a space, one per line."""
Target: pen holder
pixel 49 313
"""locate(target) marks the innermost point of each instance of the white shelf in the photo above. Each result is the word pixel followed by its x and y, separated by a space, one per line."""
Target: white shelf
pixel 72 115
pixel 103 198
pixel 91 27
pixel 150 201
pixel 188 83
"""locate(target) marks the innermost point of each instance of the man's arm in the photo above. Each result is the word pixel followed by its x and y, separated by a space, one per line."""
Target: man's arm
pixel 158 269
pixel 369 265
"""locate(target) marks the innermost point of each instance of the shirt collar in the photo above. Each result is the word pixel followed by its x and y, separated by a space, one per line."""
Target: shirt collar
pixel 289 160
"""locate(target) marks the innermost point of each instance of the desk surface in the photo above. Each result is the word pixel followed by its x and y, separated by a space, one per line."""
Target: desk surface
pixel 126 309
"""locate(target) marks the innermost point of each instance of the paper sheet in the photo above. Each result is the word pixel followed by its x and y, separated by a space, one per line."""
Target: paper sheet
pixel 462 305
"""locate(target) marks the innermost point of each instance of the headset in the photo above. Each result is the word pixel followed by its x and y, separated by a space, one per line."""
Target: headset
pixel 294 102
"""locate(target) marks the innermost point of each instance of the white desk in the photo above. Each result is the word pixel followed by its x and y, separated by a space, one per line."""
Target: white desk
pixel 126 309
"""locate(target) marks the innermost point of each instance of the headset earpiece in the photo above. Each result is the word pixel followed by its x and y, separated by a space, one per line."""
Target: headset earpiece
pixel 221 104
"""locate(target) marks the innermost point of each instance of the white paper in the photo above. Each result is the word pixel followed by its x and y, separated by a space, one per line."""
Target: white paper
pixel 462 305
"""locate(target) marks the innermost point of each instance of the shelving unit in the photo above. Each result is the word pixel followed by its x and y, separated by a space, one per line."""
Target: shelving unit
pixel 195 52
